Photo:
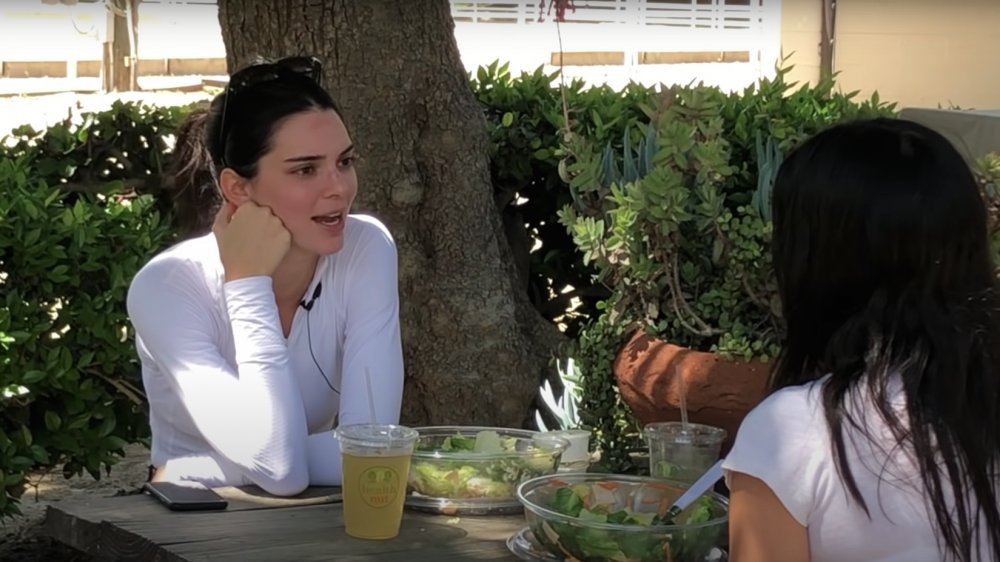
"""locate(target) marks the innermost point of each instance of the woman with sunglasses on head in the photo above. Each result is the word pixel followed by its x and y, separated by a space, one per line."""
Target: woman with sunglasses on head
pixel 881 438
pixel 269 324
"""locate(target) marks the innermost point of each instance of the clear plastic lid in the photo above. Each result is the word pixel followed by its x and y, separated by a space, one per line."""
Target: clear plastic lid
pixel 375 436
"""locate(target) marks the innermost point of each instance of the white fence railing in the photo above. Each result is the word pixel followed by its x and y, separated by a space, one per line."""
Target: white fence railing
pixel 510 31
pixel 518 32
pixel 674 13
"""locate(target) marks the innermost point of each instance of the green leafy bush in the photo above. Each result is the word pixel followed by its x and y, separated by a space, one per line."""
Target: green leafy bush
pixel 987 171
pixel 128 143
pixel 68 369
pixel 526 121
pixel 677 226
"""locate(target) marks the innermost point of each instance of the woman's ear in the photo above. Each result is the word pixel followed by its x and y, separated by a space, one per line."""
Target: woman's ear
pixel 234 187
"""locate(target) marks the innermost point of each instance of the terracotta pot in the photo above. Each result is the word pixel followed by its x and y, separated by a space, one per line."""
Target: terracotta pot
pixel 720 392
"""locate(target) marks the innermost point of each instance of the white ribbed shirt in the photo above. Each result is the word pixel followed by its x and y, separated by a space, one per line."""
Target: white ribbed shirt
pixel 234 402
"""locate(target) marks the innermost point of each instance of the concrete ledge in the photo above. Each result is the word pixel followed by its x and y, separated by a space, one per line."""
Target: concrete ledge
pixel 92 68
pixel 605 58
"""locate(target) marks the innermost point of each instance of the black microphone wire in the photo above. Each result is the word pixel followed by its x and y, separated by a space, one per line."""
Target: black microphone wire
pixel 308 306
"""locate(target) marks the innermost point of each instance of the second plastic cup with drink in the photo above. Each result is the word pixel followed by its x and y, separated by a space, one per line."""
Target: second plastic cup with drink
pixel 681 452
pixel 376 463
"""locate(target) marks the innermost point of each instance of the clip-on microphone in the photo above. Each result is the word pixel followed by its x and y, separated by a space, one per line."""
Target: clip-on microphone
pixel 316 292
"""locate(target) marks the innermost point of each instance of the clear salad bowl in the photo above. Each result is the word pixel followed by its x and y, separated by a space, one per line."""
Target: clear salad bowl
pixel 476 470
pixel 614 518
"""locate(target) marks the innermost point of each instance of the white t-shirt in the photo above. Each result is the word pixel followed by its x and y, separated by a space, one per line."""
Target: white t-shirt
pixel 786 443
pixel 231 400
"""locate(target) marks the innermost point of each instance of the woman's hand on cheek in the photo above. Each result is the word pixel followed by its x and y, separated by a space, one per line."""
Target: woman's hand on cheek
pixel 252 241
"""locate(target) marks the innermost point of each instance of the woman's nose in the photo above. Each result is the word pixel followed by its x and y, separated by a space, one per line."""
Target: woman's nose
pixel 335 183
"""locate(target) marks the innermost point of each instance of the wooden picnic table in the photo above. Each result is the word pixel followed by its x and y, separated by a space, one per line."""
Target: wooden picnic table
pixel 258 527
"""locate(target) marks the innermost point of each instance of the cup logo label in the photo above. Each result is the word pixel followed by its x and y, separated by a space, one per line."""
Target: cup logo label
pixel 379 486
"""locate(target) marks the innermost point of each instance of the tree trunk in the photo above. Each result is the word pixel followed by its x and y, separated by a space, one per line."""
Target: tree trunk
pixel 120 60
pixel 475 348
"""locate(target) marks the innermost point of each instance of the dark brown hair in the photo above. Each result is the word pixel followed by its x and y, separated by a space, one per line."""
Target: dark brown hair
pixel 258 98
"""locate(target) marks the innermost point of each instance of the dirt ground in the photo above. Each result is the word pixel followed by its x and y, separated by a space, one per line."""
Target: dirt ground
pixel 21 539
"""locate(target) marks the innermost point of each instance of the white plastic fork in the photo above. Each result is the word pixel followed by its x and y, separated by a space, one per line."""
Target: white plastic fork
pixel 702 485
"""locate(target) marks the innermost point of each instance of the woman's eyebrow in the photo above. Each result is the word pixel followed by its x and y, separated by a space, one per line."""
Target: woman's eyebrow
pixel 314 157
pixel 306 158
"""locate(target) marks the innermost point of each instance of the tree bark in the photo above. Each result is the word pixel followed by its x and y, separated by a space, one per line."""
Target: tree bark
pixel 475 348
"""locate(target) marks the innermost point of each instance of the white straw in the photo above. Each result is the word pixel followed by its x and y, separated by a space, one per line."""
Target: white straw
pixel 682 384
pixel 371 397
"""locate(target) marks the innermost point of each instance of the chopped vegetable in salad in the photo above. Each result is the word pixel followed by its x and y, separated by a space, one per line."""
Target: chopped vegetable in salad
pixel 468 477
pixel 609 502
pixel 483 442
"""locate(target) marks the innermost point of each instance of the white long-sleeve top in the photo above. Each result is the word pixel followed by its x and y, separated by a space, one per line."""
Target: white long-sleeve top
pixel 231 400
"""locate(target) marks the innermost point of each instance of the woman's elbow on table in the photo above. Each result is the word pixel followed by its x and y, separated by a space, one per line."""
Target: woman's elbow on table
pixel 285 481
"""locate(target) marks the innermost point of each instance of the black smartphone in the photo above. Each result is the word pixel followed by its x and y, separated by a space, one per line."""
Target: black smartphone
pixel 185 496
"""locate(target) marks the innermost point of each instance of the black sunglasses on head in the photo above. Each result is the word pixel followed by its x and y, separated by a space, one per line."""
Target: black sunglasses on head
pixel 310 67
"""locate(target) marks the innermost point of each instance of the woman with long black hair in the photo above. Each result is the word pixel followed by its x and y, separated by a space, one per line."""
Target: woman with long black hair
pixel 879 441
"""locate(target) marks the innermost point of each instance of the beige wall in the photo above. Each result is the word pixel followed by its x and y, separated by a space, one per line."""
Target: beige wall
pixel 918 53
pixel 801 23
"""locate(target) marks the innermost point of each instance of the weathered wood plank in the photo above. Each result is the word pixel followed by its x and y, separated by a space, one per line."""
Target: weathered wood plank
pixel 266 528
pixel 78 523
pixel 317 533
pixel 116 543
pixel 66 527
